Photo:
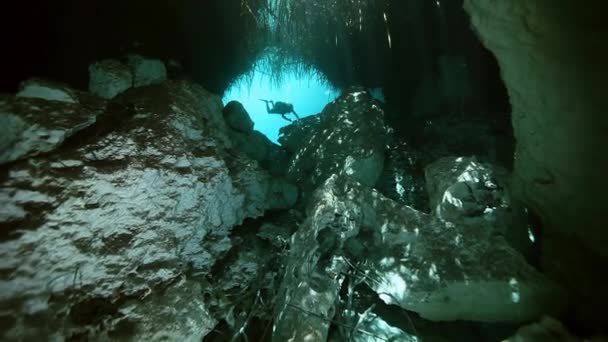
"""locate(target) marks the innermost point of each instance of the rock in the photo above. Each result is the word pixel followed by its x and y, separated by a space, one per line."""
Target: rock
pixel 559 121
pixel 109 78
pixel 278 230
pixel 293 136
pixel 206 105
pixel 101 238
pixel 464 192
pixel 410 260
pixel 402 179
pixel 372 328
pixel 30 126
pixel 350 139
pixel 147 71
pixel 277 160
pixel 237 117
pixel 282 194
pixel 47 90
pixel 254 145
pixel 183 312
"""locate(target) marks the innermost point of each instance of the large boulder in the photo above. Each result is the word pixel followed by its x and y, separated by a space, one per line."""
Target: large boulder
pixel 350 138
pixel 101 237
pixel 237 117
pixel 409 259
pixel 146 71
pixel 109 78
pixel 41 117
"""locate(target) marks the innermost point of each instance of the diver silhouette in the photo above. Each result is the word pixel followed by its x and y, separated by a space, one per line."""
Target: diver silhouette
pixel 280 108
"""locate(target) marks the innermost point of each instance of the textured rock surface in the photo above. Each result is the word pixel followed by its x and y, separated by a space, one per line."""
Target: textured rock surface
pixel 47 90
pixel 552 59
pixel 252 143
pixel 350 138
pixel 402 177
pixel 30 125
pixel 255 145
pixel 442 272
pixel 109 78
pixel 464 192
pixel 102 236
pixel 147 71
pixel 292 136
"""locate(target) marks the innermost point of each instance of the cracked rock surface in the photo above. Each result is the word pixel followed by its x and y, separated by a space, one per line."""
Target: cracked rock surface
pixel 101 235
pixel 408 258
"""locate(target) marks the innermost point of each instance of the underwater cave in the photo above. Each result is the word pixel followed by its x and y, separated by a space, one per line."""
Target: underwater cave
pixel 319 170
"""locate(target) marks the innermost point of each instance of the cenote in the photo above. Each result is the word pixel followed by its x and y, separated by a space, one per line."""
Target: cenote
pixel 303 170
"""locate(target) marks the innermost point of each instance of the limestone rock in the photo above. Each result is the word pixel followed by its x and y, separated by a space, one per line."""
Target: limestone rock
pixel 350 139
pixel 109 78
pixel 255 145
pixel 237 117
pixel 30 125
pixel 292 137
pixel 559 121
pixel 47 90
pixel 277 160
pixel 100 239
pixel 411 260
pixel 465 192
pixel 147 71
pixel 372 327
pixel 401 179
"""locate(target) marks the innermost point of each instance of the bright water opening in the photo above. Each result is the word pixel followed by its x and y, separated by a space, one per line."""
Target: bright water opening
pixel 308 94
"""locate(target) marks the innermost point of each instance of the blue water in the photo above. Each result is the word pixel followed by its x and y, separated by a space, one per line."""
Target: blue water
pixel 307 93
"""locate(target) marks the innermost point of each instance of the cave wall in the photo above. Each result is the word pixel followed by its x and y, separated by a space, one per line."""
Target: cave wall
pixel 552 56
pixel 59 39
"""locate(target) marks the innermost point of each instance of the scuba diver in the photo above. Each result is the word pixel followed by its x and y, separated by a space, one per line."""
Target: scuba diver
pixel 281 108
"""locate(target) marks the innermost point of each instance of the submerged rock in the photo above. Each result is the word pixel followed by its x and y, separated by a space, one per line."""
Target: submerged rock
pixel 252 143
pixel 146 71
pixel 101 237
pixel 237 117
pixel 402 177
pixel 409 259
pixel 109 78
pixel 294 135
pixel 31 125
pixel 255 145
pixel 465 192
pixel 349 138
